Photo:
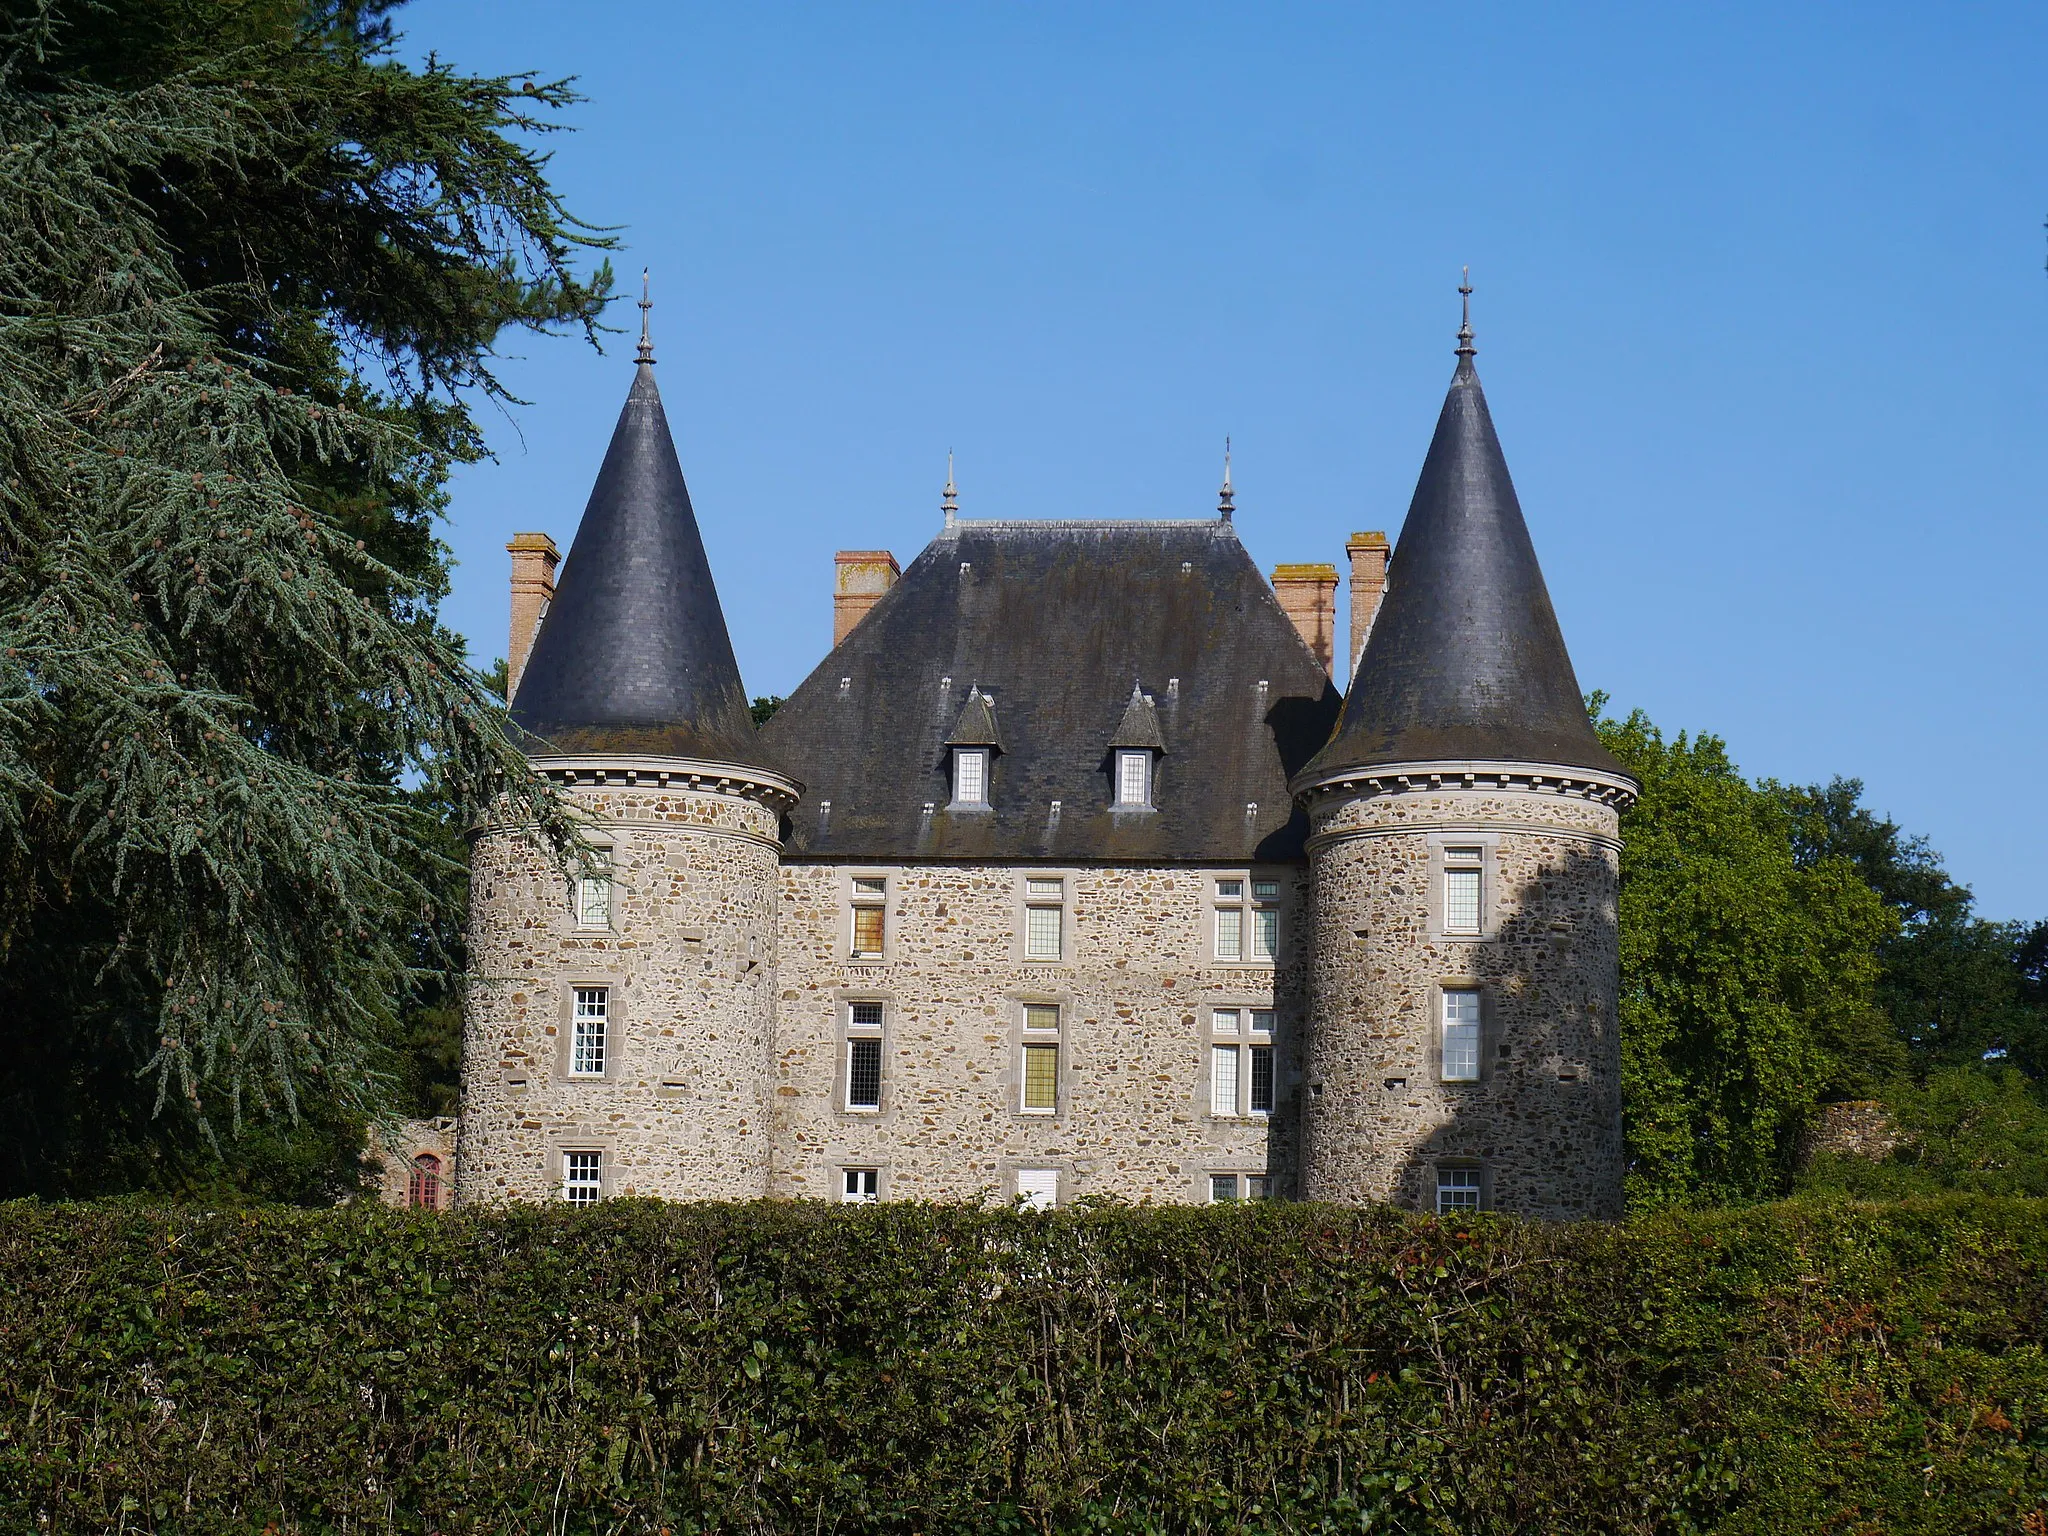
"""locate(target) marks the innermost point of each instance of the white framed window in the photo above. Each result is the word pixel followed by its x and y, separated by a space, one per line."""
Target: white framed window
pixel 864 1056
pixel 1457 1189
pixel 1133 779
pixel 1258 1062
pixel 1461 1034
pixel 1227 1188
pixel 594 895
pixel 1461 890
pixel 582 1177
pixel 589 1024
pixel 1040 1052
pixel 970 775
pixel 1265 919
pixel 870 908
pixel 1044 917
pixel 861 1186
pixel 1229 932
pixel 1224 1098
pixel 1038 1189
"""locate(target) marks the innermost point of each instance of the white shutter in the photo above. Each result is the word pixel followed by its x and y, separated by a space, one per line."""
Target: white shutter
pixel 1039 1188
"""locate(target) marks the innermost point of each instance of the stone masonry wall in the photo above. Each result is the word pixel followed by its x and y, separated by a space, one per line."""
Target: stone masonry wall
pixel 1136 986
pixel 688 956
pixel 1542 1125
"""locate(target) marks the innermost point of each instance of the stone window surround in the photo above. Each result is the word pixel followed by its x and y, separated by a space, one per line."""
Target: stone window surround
pixel 839 1170
pixel 1238 1168
pixel 614 1028
pixel 1207 1038
pixel 562 1143
pixel 1008 1168
pixel 1488 843
pixel 988 768
pixel 1489 1033
pixel 607 848
pixel 1021 901
pixel 1479 1165
pixel 1012 1078
pixel 843 1031
pixel 848 900
pixel 1247 904
pixel 1148 761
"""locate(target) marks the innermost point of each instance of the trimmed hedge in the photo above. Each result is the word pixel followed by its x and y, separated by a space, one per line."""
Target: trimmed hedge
pixel 905 1368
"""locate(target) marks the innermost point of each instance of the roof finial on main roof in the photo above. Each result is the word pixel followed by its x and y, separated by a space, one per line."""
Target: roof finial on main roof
pixel 1226 500
pixel 951 503
pixel 646 343
pixel 1465 347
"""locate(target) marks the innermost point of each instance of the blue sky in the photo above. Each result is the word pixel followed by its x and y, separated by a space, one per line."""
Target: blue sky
pixel 1760 306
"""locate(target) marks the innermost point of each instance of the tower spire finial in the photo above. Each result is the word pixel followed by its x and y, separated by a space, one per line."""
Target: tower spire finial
pixel 646 342
pixel 1226 500
pixel 950 505
pixel 1465 347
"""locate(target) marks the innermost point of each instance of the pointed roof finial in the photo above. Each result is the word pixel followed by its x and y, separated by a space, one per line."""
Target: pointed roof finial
pixel 1226 500
pixel 950 505
pixel 1465 347
pixel 646 306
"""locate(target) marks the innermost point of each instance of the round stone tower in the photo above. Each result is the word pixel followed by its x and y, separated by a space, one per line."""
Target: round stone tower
pixel 1464 848
pixel 618 1036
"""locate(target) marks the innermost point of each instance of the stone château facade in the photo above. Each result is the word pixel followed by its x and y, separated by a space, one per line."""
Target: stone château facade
pixel 1068 872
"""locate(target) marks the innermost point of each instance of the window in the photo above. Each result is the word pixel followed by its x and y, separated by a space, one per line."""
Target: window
pixel 864 1056
pixel 1234 916
pixel 1227 1187
pixel 582 1177
pixel 1134 778
pixel 1461 1035
pixel 425 1189
pixel 870 896
pixel 1265 919
pixel 1038 1189
pixel 1461 890
pixel 587 1032
pixel 594 895
pixel 1457 1189
pixel 1041 1052
pixel 1223 1080
pixel 1043 912
pixel 863 1186
pixel 1260 1100
pixel 970 776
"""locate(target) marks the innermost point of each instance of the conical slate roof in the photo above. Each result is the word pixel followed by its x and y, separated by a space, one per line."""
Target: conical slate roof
pixel 976 726
pixel 1140 724
pixel 1465 662
pixel 633 655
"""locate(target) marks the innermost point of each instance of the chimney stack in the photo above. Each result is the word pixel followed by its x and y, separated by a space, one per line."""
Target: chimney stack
pixel 1369 555
pixel 1308 596
pixel 534 558
pixel 861 576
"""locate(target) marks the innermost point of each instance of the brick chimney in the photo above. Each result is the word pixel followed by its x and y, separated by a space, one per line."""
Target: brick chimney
pixel 1308 596
pixel 860 577
pixel 534 558
pixel 1369 555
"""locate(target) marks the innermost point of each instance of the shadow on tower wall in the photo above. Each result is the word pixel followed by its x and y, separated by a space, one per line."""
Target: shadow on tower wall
pixel 1542 1125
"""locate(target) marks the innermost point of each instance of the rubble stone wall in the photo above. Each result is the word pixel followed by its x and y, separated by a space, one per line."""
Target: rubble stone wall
pixel 688 958
pixel 1136 986
pixel 1542 1124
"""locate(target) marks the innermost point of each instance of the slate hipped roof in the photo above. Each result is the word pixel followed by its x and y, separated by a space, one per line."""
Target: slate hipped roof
pixel 1055 620
pixel 1465 661
pixel 633 655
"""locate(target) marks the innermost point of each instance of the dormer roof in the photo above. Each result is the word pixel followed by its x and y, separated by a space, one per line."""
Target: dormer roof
pixel 1465 661
pixel 1139 727
pixel 976 726
pixel 633 655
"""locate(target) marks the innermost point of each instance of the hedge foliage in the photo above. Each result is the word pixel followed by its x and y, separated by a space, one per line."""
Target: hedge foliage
pixel 906 1368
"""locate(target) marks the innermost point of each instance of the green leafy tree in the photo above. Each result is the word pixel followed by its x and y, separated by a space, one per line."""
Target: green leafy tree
pixel 1959 990
pixel 253 267
pixel 1747 981
pixel 1979 1129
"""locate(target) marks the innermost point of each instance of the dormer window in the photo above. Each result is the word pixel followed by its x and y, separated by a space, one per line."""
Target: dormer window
pixel 970 775
pixel 1133 779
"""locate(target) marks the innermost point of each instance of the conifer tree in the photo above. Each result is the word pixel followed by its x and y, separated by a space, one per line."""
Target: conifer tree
pixel 251 268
